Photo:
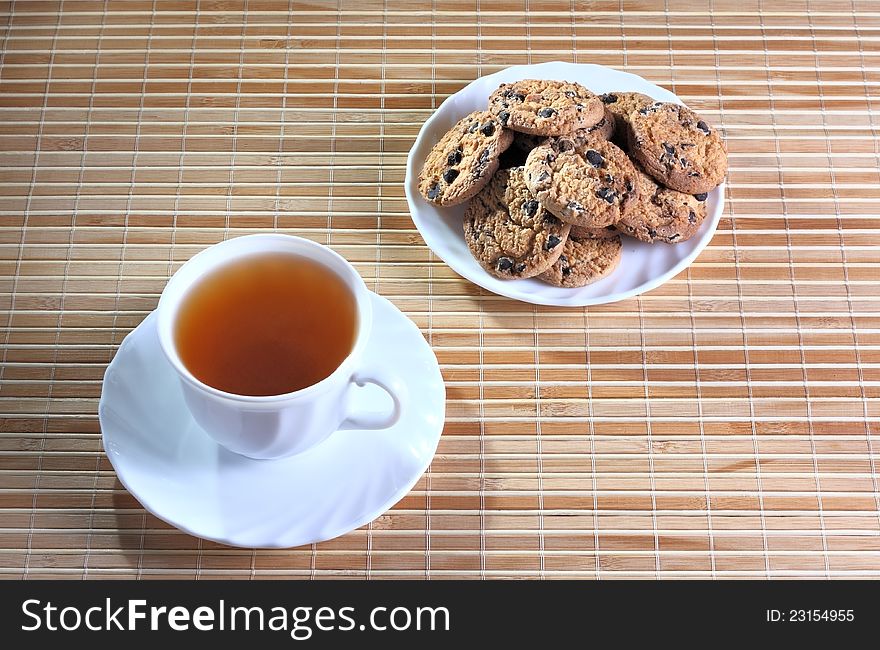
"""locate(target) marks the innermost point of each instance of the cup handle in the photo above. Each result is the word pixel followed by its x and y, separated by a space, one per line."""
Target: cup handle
pixel 392 385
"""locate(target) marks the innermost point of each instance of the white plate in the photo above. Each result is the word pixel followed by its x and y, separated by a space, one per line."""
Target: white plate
pixel 643 266
pixel 182 476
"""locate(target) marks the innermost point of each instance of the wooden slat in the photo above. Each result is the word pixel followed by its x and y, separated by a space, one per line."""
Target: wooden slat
pixel 723 425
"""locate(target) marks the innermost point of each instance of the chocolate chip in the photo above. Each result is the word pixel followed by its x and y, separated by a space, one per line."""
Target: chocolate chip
pixel 673 237
pixel 454 158
pixel 703 127
pixel 692 217
pixel 504 264
pixel 482 161
pixel 488 129
pixel 546 112
pixel 629 185
pixel 683 161
pixel 508 93
pixel 669 148
pixel 609 179
pixel 530 207
pixel 473 127
pixel 564 144
pixel 519 97
pixel 434 191
pixel 570 93
pixel 450 175
pixel 652 233
pixel 574 206
pixel 552 242
pixel 595 158
pixel 694 174
pixel 655 199
pixel 551 220
pixel 596 126
pixel 606 194
pixel 702 196
pixel 609 98
pixel 503 116
pixel 519 268
pixel 543 177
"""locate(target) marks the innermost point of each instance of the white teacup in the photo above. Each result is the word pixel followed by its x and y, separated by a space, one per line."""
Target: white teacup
pixel 278 425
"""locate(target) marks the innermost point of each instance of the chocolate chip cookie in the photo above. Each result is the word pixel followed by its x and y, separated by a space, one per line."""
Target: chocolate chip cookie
pixel 621 104
pixel 509 232
pixel 591 185
pixel 464 159
pixel 584 261
pixel 661 214
pixel 678 148
pixel 545 107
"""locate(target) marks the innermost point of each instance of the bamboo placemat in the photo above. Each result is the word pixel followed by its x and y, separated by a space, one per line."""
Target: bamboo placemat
pixel 723 425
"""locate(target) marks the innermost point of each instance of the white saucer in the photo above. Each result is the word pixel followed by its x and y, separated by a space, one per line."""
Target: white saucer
pixel 642 267
pixel 182 476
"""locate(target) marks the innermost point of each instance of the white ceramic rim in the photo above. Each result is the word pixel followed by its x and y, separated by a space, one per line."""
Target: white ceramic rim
pixel 240 247
pixel 437 245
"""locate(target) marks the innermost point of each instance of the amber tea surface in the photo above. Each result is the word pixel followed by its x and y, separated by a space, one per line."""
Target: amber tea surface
pixel 266 324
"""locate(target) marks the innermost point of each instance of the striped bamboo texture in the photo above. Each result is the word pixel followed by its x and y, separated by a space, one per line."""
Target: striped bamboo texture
pixel 724 425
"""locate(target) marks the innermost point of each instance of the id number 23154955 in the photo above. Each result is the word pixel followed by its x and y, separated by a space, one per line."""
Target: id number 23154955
pixel 810 615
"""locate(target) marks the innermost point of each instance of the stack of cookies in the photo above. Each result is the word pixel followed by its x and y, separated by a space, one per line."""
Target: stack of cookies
pixel 554 174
